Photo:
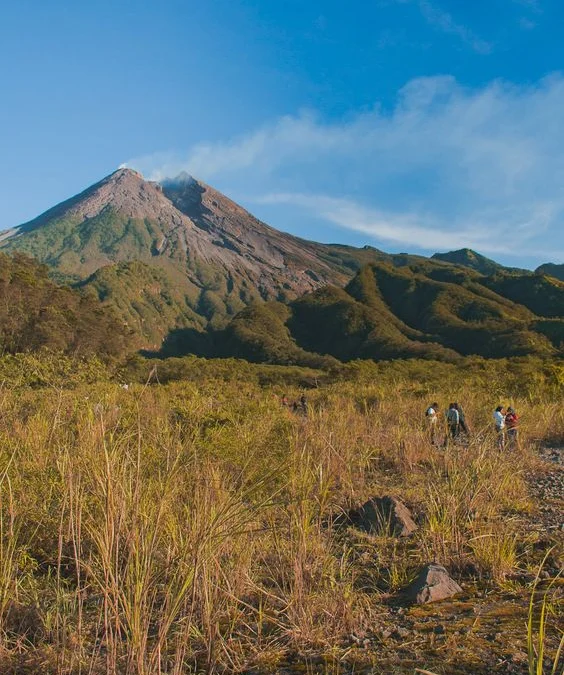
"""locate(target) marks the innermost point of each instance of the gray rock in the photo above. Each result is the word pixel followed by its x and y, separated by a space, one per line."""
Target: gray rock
pixel 432 584
pixel 384 515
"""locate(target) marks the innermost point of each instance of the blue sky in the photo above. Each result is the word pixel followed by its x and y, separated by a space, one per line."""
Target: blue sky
pixel 411 125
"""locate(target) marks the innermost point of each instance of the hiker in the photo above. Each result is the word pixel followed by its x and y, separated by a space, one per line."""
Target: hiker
pixel 512 426
pixel 284 401
pixel 499 419
pixel 432 421
pixel 453 420
pixel 303 404
pixel 462 419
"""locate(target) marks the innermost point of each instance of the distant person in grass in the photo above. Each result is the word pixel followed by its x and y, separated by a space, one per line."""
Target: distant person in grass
pixel 462 419
pixel 499 421
pixel 432 421
pixel 453 421
pixel 512 426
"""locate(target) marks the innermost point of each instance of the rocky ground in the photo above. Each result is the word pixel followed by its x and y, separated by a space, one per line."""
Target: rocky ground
pixel 548 487
pixel 481 631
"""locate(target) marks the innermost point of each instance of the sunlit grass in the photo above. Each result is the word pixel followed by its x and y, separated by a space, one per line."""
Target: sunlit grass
pixel 195 527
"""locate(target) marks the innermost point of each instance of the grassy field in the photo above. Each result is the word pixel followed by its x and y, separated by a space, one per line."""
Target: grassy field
pixel 193 526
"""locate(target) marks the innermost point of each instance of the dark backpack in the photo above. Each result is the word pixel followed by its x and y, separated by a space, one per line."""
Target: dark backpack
pixel 452 416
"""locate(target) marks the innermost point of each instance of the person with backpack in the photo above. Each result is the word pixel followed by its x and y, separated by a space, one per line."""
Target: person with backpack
pixel 512 426
pixel 499 421
pixel 462 419
pixel 432 421
pixel 453 421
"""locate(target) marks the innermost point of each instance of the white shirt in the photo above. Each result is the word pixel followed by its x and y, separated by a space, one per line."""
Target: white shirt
pixel 432 415
pixel 499 418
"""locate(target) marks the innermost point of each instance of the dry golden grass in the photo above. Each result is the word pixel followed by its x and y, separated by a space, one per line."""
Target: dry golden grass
pixel 184 528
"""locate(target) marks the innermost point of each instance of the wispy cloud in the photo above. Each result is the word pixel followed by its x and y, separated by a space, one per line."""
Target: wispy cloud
pixel 447 167
pixel 415 229
pixel 526 24
pixel 444 22
pixel 534 5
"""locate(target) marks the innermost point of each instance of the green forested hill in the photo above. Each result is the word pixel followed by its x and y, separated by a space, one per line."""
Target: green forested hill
pixel 552 270
pixel 542 294
pixel 424 310
pixel 476 261
pixel 35 313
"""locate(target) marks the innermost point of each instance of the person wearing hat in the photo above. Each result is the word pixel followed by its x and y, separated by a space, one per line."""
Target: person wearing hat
pixel 512 426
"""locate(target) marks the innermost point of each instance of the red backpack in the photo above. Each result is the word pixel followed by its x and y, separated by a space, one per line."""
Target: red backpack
pixel 511 420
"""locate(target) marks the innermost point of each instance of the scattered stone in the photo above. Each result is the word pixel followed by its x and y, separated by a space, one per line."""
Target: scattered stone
pixel 384 515
pixel 432 584
pixel 402 633
pixel 547 487
pixel 518 657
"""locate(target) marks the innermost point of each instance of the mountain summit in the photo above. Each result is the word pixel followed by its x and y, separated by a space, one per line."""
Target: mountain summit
pixel 176 253
pixel 475 261
pixel 124 218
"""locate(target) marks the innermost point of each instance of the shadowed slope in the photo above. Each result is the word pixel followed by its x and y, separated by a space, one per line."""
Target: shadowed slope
pixel 423 310
pixel 553 270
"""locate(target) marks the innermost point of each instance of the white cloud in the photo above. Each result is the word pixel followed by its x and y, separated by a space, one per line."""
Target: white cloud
pixel 533 5
pixel 527 24
pixel 444 22
pixel 411 229
pixel 467 167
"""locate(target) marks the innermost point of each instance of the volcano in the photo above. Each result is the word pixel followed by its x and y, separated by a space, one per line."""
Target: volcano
pixel 177 253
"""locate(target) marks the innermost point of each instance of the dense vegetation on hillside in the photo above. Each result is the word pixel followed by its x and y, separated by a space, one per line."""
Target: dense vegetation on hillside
pixel 542 294
pixel 552 270
pixel 114 255
pixel 36 313
pixel 422 309
pixel 469 258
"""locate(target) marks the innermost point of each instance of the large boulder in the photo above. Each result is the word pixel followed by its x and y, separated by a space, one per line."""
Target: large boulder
pixel 433 583
pixel 384 515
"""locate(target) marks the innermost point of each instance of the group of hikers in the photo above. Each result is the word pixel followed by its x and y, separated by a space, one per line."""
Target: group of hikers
pixel 506 423
pixel 450 427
